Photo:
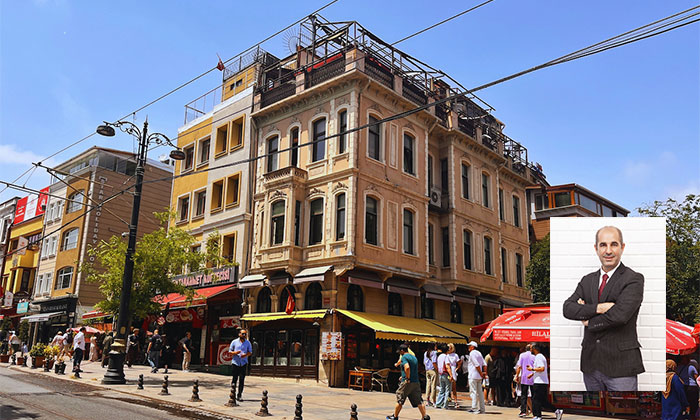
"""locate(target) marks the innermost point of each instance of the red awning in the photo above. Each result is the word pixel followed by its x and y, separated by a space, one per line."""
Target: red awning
pixel 176 300
pixel 531 324
pixel 679 338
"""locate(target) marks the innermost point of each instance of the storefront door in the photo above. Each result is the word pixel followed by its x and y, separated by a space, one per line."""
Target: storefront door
pixel 289 352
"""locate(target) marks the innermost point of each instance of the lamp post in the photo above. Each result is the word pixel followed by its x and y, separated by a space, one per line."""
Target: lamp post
pixel 115 371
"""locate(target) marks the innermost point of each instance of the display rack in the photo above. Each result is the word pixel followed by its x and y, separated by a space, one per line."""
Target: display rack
pixel 648 407
pixel 579 400
pixel 621 402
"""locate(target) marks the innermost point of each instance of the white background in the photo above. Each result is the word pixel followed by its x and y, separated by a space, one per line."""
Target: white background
pixel 572 256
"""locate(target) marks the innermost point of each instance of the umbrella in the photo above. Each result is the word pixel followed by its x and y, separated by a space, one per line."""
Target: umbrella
pixel 88 330
pixel 679 338
pixel 505 319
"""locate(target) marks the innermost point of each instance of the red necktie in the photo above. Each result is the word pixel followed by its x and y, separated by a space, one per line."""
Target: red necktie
pixel 602 286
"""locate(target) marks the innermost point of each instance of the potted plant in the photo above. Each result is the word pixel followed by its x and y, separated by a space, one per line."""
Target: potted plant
pixel 37 353
pixel 50 353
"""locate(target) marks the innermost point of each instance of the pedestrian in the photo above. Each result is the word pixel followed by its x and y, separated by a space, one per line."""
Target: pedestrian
pixel 107 347
pixel 78 349
pixel 133 347
pixel 540 381
pixel 490 369
pixel 674 402
pixel 525 359
pixel 166 353
pixel 410 385
pixel 15 342
pixel 453 362
pixel 67 343
pixel 155 346
pixel 443 368
pixel 431 376
pixel 93 349
pixel 240 348
pixel 688 374
pixel 463 371
pixel 500 379
pixel 186 352
pixel 477 372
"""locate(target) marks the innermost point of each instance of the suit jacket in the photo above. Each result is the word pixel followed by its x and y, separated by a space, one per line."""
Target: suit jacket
pixel 610 343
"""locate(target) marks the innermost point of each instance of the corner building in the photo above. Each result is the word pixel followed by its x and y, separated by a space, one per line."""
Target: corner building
pixel 413 229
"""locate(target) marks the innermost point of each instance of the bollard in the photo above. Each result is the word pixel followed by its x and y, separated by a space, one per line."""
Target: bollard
pixel 263 406
pixel 353 412
pixel 57 367
pixel 195 392
pixel 24 362
pixel 63 368
pixel 232 396
pixel 298 409
pixel 164 391
pixel 139 384
pixel 46 366
pixel 14 359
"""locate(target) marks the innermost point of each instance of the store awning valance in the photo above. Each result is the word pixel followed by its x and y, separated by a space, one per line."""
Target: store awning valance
pixel 489 303
pixel 176 300
pixel 510 303
pixel 460 296
pixel 389 327
pixel 274 316
pixel 41 317
pixel 365 278
pixel 279 278
pixel 434 291
pixel 402 286
pixel 251 280
pixel 312 274
pixel 461 329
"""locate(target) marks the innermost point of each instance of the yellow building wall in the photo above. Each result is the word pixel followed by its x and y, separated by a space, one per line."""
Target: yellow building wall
pixel 238 83
pixel 28 261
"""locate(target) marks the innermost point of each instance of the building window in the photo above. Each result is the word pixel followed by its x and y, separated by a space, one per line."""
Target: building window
pixel 319 139
pixel 519 269
pixel 316 222
pixel 541 202
pixel 75 202
pixel 63 278
pixel 294 153
pixel 356 301
pixel 504 265
pixel 445 247
pixel 487 256
pixel 465 181
pixel 70 240
pixel 221 140
pixel 183 208
pixel 204 150
pixel 233 190
pixel 200 199
pixel 431 244
pixel 444 183
pixel 188 164
pixel 516 211
pixel 427 306
pixel 272 157
pixel 277 223
pixel 52 245
pixel 374 139
pixel 408 232
pixel 395 304
pixel 562 199
pixel 501 207
pixel 342 127
pixel 313 298
pixel 371 221
pixel 340 217
pixel 217 195
pixel 237 134
pixel 467 244
pixel 284 297
pixel 264 303
pixel 409 146
pixel 485 180
pixel 430 171
pixel 297 221
pixel 455 313
pixel 229 248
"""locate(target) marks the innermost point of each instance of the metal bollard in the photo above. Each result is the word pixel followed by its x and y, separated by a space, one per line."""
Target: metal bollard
pixel 46 366
pixel 232 396
pixel 164 391
pixel 139 384
pixel 14 359
pixel 353 412
pixel 63 368
pixel 24 362
pixel 56 367
pixel 298 409
pixel 263 406
pixel 195 392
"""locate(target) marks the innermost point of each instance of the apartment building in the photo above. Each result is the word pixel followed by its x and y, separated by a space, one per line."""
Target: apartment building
pixel 7 216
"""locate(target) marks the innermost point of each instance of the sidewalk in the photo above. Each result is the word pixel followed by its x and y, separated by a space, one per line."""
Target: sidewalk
pixel 319 401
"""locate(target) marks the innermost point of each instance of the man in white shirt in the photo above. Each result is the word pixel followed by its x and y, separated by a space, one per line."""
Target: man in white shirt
pixel 538 373
pixel 78 349
pixel 477 372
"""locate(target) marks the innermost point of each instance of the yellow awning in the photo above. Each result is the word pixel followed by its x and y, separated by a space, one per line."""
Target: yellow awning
pixel 461 329
pixel 273 316
pixel 391 327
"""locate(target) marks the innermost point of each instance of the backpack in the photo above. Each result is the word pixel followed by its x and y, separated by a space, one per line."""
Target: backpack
pixel 157 343
pixel 69 338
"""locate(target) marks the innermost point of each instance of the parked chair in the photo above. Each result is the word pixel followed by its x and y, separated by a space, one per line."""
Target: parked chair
pixel 379 378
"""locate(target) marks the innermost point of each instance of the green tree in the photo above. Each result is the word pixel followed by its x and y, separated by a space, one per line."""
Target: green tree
pixel 682 255
pixel 537 273
pixel 23 331
pixel 159 255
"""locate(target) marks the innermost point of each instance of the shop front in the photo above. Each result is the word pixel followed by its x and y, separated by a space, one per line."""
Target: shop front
pixel 54 315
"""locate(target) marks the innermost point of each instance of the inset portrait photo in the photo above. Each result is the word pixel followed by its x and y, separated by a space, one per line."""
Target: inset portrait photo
pixel 608 303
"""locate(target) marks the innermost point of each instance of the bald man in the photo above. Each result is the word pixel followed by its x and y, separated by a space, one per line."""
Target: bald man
pixel 607 302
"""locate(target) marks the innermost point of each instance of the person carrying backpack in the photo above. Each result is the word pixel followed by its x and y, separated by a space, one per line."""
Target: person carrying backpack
pixel 155 346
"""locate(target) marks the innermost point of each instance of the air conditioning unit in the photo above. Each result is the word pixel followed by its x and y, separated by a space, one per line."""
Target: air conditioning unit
pixel 435 197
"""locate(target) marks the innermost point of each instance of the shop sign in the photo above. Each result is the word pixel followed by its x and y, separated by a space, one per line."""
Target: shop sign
pixel 520 335
pixel 8 299
pixel 229 321
pixel 22 307
pixel 161 321
pixel 208 278
pixel 223 356
pixel 577 398
pixel 331 345
pixel 184 315
pixel 30 207
pixel 22 244
pixel 65 306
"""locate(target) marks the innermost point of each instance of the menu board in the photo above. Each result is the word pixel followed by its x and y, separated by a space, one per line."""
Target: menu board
pixel 331 345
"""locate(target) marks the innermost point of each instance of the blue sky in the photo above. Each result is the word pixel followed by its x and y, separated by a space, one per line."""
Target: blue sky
pixel 624 123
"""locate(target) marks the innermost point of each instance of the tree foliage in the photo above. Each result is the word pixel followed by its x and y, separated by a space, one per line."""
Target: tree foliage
pixel 537 273
pixel 682 255
pixel 159 255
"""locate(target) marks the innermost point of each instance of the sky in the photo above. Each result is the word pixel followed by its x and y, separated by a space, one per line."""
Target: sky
pixel 624 123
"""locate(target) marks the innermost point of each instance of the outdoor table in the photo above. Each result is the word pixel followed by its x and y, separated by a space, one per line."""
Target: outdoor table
pixel 361 379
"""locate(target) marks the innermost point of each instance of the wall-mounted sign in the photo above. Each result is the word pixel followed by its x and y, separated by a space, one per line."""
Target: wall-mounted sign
pixel 22 307
pixel 331 345
pixel 7 301
pixel 223 356
pixel 212 277
pixel 31 206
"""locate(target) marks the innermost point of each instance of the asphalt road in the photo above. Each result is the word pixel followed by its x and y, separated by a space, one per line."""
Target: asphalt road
pixel 30 396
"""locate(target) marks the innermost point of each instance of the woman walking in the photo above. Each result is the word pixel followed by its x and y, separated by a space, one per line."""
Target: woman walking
pixel 93 349
pixel 674 402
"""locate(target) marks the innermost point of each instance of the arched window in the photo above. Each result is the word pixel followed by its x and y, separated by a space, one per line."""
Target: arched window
pixel 488 269
pixel 277 223
pixel 355 298
pixel 70 239
pixel 316 222
pixel 408 232
pixel 319 139
pixel 340 217
pixel 63 278
pixel 374 139
pixel 272 156
pixel 455 313
pixel 409 154
pixel 312 297
pixel 395 304
pixel 371 221
pixel 427 307
pixel 75 202
pixel 294 140
pixel 264 301
pixel 285 296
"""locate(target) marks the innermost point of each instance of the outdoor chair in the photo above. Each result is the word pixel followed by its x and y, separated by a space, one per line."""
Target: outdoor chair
pixel 379 378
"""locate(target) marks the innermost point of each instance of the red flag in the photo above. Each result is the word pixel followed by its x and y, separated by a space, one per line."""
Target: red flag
pixel 220 64
pixel 290 305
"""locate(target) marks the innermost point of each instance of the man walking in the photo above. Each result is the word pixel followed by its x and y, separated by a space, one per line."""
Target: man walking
pixel 107 347
pixel 410 385
pixel 477 372
pixel 430 363
pixel 78 350
pixel 240 348
pixel 539 393
pixel 186 353
pixel 525 359
pixel 155 346
pixel 132 347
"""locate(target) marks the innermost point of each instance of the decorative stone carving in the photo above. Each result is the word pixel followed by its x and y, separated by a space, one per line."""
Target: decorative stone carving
pixel 314 191
pixel 339 186
pixel 371 187
pixel 277 193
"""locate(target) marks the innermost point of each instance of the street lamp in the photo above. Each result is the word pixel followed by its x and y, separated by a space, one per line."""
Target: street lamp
pixel 115 371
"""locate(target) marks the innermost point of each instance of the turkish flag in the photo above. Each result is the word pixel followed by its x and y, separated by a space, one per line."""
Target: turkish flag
pixel 290 305
pixel 220 65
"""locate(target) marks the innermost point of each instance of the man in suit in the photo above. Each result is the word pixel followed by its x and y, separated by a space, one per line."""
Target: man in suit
pixel 607 302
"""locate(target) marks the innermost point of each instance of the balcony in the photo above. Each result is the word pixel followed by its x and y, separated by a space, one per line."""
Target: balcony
pixel 325 70
pixel 467 127
pixel 413 93
pixel 379 72
pixel 441 113
pixel 289 174
pixel 277 93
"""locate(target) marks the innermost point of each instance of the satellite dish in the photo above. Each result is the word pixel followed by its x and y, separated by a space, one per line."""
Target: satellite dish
pixel 291 40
